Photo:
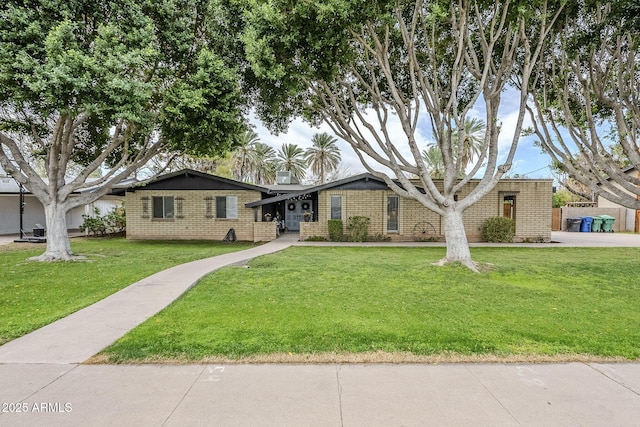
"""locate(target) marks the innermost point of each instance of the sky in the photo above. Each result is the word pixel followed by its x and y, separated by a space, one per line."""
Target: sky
pixel 528 161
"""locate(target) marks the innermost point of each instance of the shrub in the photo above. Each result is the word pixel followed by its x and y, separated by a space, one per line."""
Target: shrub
pixel 116 220
pixel 358 228
pixel 498 229
pixel 335 230
pixel 379 238
pixel 96 224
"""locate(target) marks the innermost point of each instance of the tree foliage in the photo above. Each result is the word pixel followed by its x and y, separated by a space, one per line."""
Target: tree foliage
pixel 586 113
pixel 107 85
pixel 323 157
pixel 290 158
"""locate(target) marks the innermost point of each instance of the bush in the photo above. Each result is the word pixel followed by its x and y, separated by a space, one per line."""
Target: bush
pixel 315 239
pixel 116 220
pixel 498 230
pixel 93 224
pixel 358 228
pixel 96 224
pixel 379 238
pixel 335 230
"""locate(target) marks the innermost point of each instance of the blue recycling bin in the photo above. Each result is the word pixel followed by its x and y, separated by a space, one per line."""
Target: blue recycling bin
pixel 585 224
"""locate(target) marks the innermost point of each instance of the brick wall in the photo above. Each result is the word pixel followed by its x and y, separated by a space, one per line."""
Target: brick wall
pixel 532 211
pixel 264 231
pixel 196 218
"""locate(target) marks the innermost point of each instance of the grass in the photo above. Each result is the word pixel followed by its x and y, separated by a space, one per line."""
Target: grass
pixel 33 294
pixel 306 302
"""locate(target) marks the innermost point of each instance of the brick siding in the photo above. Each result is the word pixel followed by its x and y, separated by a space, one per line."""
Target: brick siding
pixel 197 219
pixel 532 211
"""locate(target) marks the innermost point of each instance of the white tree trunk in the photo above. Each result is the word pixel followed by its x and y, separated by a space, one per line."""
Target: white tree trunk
pixel 457 244
pixel 58 246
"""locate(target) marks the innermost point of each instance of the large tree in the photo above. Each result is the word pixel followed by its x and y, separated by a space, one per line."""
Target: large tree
pixel 323 157
pixel 586 110
pixel 425 63
pixel 264 167
pixel 107 85
pixel 290 158
pixel 243 158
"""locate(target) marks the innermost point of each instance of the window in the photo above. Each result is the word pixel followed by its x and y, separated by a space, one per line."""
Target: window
pixel 336 207
pixel 163 207
pixel 227 207
pixel 392 213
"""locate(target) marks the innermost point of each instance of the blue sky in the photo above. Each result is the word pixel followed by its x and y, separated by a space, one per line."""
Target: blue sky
pixel 529 160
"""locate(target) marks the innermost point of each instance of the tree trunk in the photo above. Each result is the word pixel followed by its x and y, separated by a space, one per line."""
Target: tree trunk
pixel 58 246
pixel 457 244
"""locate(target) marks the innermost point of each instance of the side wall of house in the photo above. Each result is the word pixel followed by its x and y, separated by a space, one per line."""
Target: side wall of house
pixel 530 207
pixel 195 215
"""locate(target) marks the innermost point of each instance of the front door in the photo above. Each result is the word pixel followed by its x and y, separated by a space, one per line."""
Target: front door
pixel 294 213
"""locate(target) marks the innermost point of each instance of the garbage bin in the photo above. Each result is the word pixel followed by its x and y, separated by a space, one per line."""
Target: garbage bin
pixel 38 231
pixel 573 224
pixel 607 223
pixel 585 224
pixel 596 225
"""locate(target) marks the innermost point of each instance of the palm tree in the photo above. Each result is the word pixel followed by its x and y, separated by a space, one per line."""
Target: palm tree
pixel 264 166
pixel 323 156
pixel 291 158
pixel 243 156
pixel 433 160
pixel 472 145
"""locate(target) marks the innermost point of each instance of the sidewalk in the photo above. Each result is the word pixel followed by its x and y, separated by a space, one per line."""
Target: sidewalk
pixel 42 382
pixel 572 394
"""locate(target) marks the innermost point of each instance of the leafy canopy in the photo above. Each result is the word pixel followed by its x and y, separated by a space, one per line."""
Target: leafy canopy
pixel 140 67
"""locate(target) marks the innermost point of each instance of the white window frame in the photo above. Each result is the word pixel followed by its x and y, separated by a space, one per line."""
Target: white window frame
pixel 331 211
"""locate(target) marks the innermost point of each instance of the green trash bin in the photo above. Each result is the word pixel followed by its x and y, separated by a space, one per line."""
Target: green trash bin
pixel 596 225
pixel 607 223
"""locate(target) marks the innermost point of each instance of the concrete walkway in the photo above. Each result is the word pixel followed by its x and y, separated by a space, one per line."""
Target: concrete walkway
pixel 43 384
pixel 84 333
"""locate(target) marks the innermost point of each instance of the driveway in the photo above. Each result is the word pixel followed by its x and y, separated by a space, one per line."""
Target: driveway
pixel 565 238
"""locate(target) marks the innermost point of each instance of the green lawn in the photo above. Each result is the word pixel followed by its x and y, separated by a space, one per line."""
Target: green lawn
pixel 33 294
pixel 319 300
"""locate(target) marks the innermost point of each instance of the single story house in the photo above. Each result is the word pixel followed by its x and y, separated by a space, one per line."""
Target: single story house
pixel 195 205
